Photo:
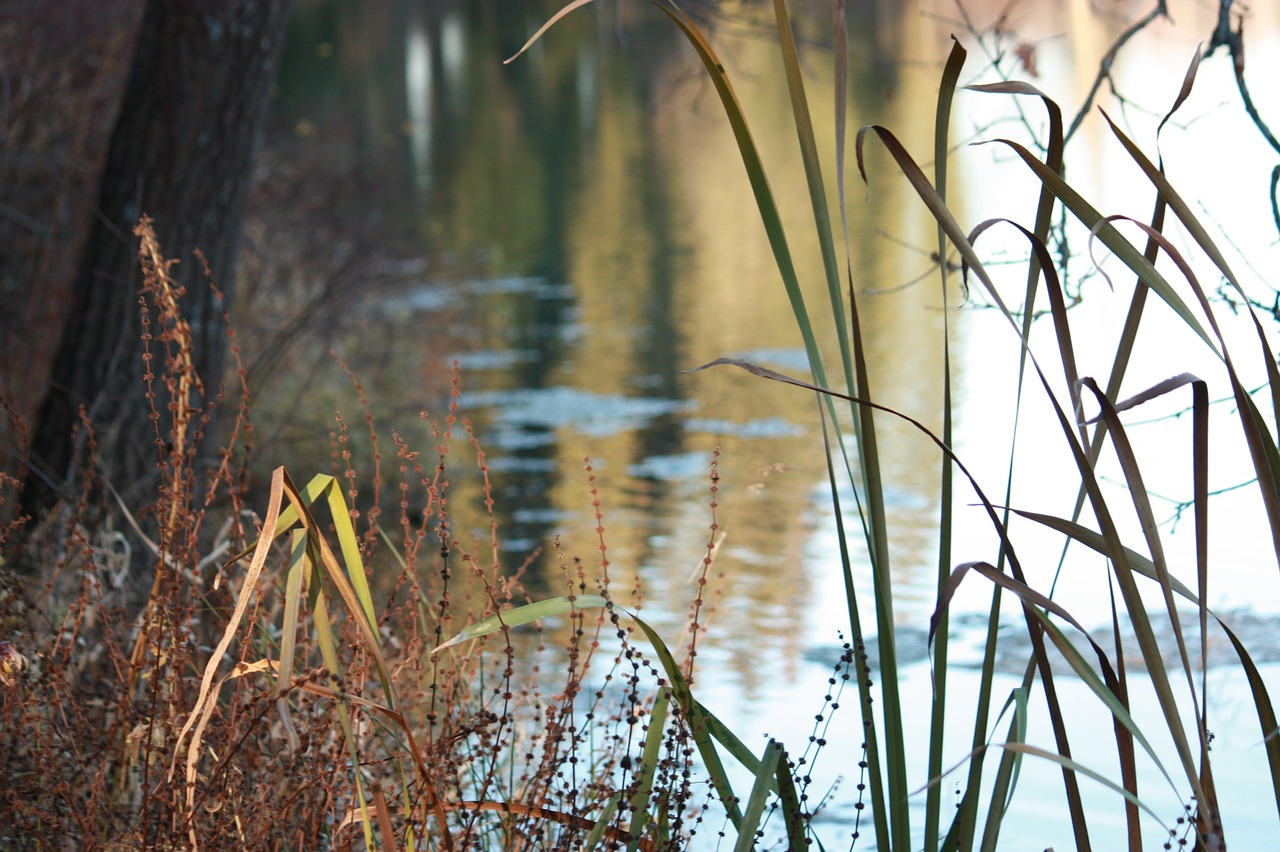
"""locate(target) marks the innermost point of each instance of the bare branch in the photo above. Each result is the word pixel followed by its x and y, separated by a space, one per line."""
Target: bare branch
pixel 1104 67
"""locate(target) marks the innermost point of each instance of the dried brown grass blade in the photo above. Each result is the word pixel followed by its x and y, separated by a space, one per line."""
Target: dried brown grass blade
pixel 202 710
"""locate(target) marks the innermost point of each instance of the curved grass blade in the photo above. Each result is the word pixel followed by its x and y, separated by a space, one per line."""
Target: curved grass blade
pixel 768 208
pixel 1054 148
pixel 1080 769
pixel 551 22
pixel 1142 565
pixel 1105 687
pixel 299 573
pixel 202 709
pixel 872 517
pixel 521 615
pixel 871 740
pixel 1111 238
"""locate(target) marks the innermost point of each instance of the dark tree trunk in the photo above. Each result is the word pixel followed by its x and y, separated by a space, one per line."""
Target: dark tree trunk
pixel 182 153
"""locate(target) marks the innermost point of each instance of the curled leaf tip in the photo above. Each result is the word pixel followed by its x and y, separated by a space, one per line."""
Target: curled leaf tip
pixel 576 4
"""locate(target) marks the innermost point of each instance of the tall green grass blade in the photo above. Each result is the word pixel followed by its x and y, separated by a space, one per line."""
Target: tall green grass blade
pixel 759 797
pixel 760 188
pixel 1006 780
pixel 329 653
pixel 813 177
pixel 1120 363
pixel 649 760
pixel 797 835
pixel 874 519
pixel 727 738
pixel 964 824
pixel 840 63
pixel 941 644
pixel 1147 641
pixel 1142 503
pixel 1265 710
pixel 772 221
pixel 697 717
pixel 872 516
pixel 870 732
pixel 1125 751
pixel 349 545
pixel 1044 214
pixel 603 822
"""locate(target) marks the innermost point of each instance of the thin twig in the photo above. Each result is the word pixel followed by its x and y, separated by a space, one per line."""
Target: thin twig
pixel 1233 40
pixel 1104 67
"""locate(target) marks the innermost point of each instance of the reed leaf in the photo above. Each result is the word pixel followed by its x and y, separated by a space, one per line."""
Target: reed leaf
pixel 758 798
pixel 652 753
pixel 946 490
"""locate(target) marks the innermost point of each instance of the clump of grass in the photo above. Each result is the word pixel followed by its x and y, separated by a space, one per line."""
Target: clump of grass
pixel 190 674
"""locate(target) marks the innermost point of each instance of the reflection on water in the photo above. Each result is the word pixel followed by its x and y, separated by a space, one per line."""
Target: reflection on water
pixel 592 236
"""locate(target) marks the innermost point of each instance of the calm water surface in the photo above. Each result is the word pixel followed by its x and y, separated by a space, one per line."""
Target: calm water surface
pixel 590 235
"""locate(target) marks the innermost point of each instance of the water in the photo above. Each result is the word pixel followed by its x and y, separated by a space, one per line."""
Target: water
pixel 590 235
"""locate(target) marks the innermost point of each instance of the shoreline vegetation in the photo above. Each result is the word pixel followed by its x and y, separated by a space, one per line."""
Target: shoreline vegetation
pixel 338 663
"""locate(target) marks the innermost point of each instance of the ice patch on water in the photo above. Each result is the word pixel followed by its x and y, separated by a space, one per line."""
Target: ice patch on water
pixel 595 415
pixel 672 468
pixel 767 427
pixel 493 359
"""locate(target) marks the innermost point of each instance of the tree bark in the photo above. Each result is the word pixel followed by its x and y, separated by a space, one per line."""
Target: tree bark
pixel 182 153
